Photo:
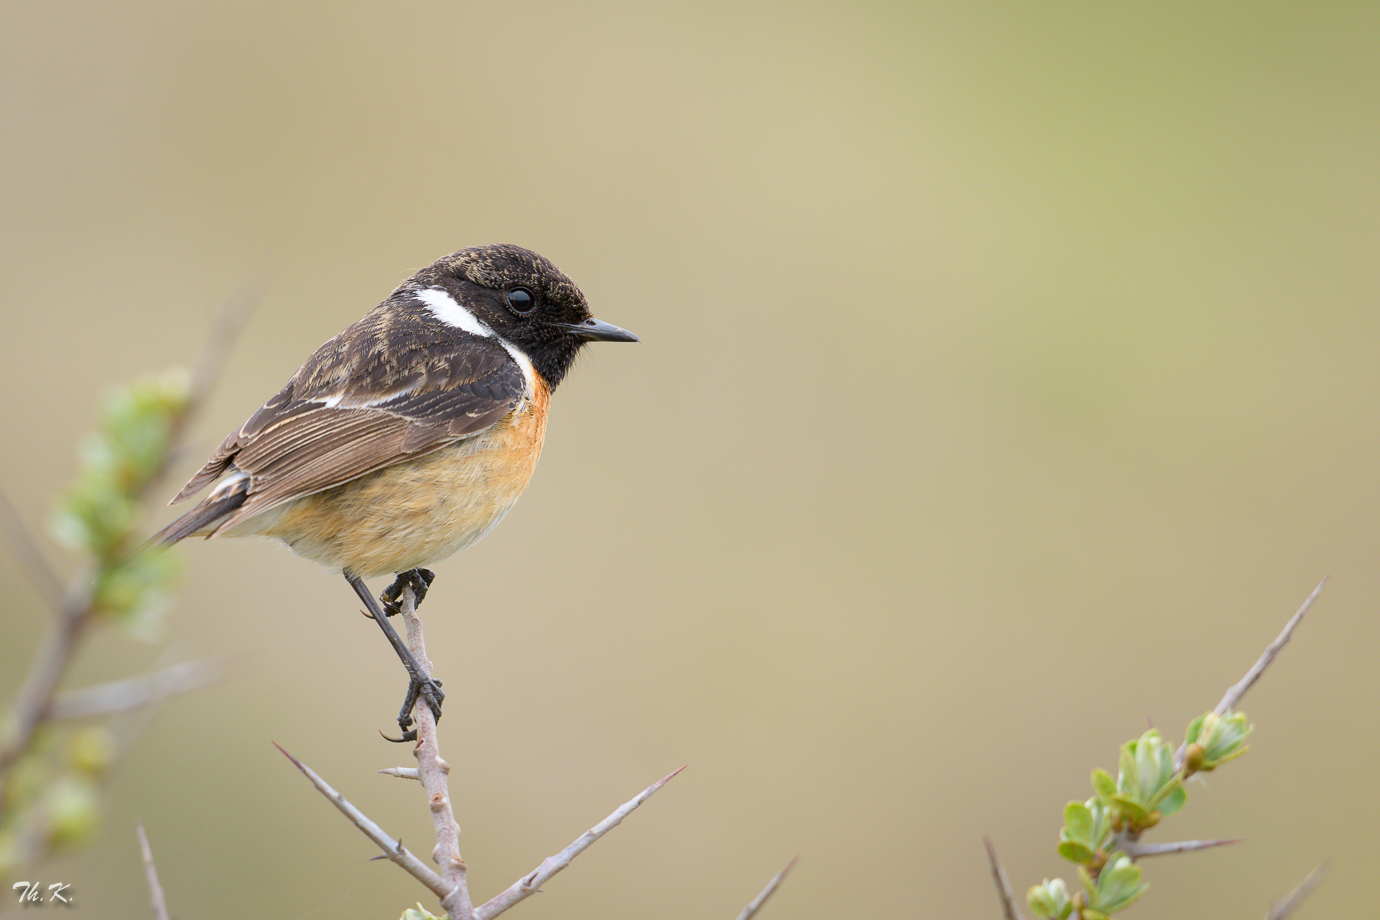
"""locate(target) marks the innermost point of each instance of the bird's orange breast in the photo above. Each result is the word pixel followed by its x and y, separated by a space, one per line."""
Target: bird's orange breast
pixel 422 510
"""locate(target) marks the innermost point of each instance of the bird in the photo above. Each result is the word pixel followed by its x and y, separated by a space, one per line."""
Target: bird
pixel 409 435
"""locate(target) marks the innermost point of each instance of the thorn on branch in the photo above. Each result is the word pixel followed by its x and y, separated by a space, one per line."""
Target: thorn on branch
pixel 401 772
pixel 160 906
pixel 1137 850
pixel 391 847
pixel 756 903
pixel 532 881
pixel 1291 901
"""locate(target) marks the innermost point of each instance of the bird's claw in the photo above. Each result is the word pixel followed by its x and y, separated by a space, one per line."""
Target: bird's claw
pixel 419 580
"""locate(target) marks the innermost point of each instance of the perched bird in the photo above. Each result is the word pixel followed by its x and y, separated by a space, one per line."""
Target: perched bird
pixel 408 436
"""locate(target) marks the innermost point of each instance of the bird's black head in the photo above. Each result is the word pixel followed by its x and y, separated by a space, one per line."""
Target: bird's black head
pixel 522 297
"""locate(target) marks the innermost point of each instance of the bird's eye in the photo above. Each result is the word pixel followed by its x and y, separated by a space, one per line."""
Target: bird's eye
pixel 521 301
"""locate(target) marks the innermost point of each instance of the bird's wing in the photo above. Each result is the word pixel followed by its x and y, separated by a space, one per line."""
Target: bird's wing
pixel 347 413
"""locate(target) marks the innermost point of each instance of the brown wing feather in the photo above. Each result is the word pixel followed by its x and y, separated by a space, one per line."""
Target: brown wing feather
pixel 337 420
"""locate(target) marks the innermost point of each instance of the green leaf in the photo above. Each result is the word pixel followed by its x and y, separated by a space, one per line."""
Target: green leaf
pixel 1194 729
pixel 1173 801
pixel 1131 809
pixel 1103 785
pixel 1076 852
pixel 1126 779
pixel 1078 820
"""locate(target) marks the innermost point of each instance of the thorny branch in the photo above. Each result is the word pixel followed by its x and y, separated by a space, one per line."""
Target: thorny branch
pixel 432 771
pixel 1135 849
pixel 391 847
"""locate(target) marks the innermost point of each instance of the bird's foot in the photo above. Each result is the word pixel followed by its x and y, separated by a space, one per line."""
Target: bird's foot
pixel 426 688
pixel 419 580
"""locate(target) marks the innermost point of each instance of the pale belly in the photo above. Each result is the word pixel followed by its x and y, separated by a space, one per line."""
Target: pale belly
pixel 413 513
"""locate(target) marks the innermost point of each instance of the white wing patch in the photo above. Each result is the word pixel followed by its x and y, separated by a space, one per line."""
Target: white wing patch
pixel 227 483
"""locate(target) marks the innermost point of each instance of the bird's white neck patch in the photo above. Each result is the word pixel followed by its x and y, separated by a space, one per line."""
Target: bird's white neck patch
pixel 451 312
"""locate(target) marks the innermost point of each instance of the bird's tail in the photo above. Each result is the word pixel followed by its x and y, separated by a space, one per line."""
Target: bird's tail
pixel 201 519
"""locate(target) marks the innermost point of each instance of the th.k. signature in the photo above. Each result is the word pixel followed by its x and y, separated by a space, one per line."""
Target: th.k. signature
pixel 31 892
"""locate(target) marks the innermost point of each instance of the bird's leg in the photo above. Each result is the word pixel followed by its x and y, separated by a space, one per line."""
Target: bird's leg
pixel 418 683
pixel 418 579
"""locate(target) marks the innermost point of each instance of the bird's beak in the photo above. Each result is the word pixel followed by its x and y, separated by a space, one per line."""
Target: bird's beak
pixel 594 330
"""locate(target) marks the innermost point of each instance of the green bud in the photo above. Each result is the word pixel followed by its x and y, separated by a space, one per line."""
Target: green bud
pixel 91 751
pixel 1087 826
pixel 1050 899
pixel 1213 740
pixel 133 591
pixel 1118 884
pixel 72 810
pixel 118 462
pixel 26 780
pixel 1147 785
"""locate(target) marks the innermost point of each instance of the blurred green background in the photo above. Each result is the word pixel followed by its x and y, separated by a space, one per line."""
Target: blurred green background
pixel 1008 376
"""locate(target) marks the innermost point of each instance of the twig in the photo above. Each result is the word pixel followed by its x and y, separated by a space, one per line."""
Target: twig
pixel 432 771
pixel 50 663
pixel 531 883
pixel 135 692
pixel 160 906
pixel 1290 902
pixel 756 903
pixel 1135 849
pixel 392 848
pixel 1008 900
pixel 1238 690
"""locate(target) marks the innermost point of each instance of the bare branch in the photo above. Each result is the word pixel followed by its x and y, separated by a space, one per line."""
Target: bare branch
pixel 1233 695
pixel 392 848
pixel 1238 690
pixel 50 663
pixel 756 903
pixel 135 692
pixel 531 883
pixel 1008 900
pixel 431 772
pixel 1135 849
pixel 1290 902
pixel 160 906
